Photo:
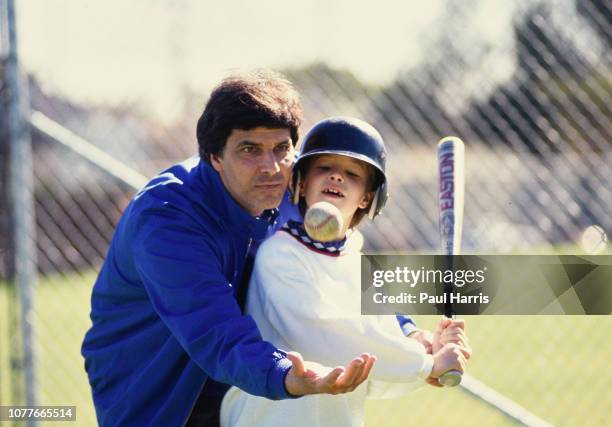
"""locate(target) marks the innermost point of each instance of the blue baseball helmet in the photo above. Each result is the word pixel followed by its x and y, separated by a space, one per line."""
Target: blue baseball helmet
pixel 346 136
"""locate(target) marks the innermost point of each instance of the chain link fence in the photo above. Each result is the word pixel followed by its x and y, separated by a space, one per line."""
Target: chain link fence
pixel 534 113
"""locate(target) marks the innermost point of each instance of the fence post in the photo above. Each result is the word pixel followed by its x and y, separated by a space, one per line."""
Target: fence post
pixel 5 247
pixel 21 203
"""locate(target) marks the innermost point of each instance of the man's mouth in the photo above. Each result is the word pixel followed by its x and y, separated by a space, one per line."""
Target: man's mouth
pixel 269 185
pixel 333 192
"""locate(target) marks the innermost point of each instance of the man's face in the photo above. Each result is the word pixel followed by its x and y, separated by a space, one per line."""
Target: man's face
pixel 339 180
pixel 255 167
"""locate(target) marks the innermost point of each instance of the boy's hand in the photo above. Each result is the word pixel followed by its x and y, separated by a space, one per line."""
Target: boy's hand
pixel 449 357
pixel 426 338
pixel 451 331
pixel 313 378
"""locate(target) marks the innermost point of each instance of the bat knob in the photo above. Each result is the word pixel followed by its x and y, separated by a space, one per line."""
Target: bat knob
pixel 450 378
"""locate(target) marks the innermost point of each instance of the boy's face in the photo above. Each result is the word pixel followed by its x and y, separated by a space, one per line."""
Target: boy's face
pixel 339 180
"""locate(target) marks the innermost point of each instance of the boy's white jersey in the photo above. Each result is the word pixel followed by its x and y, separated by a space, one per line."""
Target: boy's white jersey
pixel 310 302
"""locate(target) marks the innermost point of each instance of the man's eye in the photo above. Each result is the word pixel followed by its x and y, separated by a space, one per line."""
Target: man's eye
pixel 248 149
pixel 283 148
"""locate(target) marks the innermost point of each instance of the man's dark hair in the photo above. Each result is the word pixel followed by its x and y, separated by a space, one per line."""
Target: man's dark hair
pixel 245 101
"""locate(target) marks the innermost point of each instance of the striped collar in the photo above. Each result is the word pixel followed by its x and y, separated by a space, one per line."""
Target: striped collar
pixel 296 229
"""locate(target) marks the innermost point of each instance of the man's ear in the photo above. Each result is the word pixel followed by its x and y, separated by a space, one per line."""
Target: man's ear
pixel 366 200
pixel 216 162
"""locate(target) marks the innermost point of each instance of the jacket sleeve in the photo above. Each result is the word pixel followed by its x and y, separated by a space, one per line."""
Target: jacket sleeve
pixel 181 269
pixel 313 323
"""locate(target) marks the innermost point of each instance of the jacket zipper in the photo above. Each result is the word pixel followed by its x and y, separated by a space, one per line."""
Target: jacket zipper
pixel 246 255
pixel 194 403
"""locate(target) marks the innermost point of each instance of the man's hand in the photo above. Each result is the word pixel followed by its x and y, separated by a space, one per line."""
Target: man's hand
pixel 312 378
pixel 451 331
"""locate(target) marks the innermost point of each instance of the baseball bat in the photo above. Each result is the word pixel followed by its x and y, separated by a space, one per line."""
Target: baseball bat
pixel 451 183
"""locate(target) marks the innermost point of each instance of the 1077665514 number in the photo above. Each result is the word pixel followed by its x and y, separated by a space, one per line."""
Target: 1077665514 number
pixel 38 413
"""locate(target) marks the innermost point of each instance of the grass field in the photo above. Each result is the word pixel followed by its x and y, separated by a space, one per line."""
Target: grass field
pixel 555 366
pixel 62 317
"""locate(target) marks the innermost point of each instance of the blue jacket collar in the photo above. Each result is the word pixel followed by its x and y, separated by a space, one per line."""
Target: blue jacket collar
pixel 228 211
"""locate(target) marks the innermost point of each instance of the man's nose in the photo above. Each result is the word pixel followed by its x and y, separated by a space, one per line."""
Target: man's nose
pixel 269 164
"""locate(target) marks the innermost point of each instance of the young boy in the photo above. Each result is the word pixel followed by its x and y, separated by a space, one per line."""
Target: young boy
pixel 305 294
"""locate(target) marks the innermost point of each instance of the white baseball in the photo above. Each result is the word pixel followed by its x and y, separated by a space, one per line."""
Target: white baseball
pixel 323 222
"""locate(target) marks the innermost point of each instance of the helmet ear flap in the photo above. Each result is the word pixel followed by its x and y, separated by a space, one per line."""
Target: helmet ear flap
pixel 379 201
pixel 374 205
pixel 296 188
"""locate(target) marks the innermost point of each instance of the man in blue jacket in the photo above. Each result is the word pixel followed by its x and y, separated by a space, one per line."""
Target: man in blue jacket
pixel 166 320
